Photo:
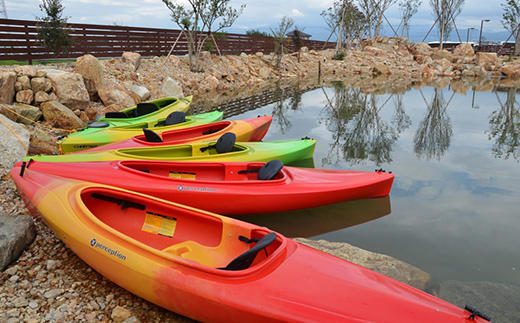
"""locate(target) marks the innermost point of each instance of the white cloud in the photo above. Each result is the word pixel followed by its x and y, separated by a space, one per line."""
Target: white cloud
pixel 297 13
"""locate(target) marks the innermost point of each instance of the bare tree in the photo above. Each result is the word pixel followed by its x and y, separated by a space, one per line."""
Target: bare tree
pixel 280 41
pixel 445 12
pixel 198 20
pixel 511 21
pixel 408 9
pixel 374 11
pixel 345 18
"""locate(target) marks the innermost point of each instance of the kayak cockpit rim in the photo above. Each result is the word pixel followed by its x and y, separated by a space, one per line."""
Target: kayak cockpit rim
pixel 273 260
pixel 229 172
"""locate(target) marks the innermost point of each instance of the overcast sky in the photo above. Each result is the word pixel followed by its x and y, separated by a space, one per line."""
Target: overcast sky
pixel 266 14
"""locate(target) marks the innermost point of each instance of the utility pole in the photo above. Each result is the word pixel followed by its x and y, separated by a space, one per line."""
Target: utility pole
pixel 3 10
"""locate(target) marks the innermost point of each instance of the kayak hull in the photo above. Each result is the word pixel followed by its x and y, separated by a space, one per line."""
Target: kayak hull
pixel 87 138
pixel 220 188
pixel 181 269
pixel 253 129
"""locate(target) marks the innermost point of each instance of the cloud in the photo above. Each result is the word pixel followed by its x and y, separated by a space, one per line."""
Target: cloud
pixel 297 13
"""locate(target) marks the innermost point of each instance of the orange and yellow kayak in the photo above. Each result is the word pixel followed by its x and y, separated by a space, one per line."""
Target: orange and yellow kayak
pixel 216 269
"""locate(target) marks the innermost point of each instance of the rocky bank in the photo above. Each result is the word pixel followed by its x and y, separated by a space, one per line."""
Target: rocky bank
pixel 47 282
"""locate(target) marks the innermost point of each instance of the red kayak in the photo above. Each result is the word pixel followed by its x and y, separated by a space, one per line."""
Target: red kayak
pixel 253 129
pixel 213 268
pixel 229 187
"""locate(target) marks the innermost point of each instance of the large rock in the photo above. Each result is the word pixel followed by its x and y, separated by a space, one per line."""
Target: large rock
pixel 7 81
pixel 16 234
pixel 498 301
pixel 42 143
pixel 380 68
pixel 25 96
pixel 440 54
pixel 170 88
pixel 133 58
pixel 486 58
pixel 38 84
pixel 28 70
pixel 8 111
pixel 92 72
pixel 142 92
pixel 116 94
pixel 382 264
pixel 464 49
pixel 60 116
pixel 70 89
pixel 30 113
pixel 12 149
pixel 422 48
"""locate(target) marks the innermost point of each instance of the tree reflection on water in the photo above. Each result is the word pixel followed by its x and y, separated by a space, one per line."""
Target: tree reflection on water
pixel 433 136
pixel 359 133
pixel 505 127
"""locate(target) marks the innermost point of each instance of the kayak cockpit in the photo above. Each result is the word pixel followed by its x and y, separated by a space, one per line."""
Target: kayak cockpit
pixel 206 172
pixel 176 232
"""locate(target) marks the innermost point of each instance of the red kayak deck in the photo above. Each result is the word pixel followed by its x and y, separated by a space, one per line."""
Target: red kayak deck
pixel 220 187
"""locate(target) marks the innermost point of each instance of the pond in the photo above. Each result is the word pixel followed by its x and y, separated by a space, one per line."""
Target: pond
pixel 454 206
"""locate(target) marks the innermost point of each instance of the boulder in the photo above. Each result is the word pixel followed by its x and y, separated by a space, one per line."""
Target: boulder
pixel 171 88
pixel 12 149
pixel 486 58
pixel 28 70
pixel 30 113
pixel 381 69
pixel 116 94
pixel 464 49
pixel 8 111
pixel 142 92
pixel 24 81
pixel 70 89
pixel 133 58
pixel 42 143
pixel 92 72
pixel 442 54
pixel 382 264
pixel 25 96
pixel 60 116
pixel 38 84
pixel 7 81
pixel 510 70
pixel 369 50
pixel 16 234
pixel 422 48
pixel 498 301
pixel 40 97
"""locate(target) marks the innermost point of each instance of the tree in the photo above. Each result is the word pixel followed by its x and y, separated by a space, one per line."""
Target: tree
pixel 52 30
pixel 445 11
pixel 345 17
pixel 408 8
pixel 198 19
pixel 511 21
pixel 280 41
pixel 374 10
pixel 256 32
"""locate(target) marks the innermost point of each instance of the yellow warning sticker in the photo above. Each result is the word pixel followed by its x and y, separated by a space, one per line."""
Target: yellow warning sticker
pixel 182 175
pixel 159 224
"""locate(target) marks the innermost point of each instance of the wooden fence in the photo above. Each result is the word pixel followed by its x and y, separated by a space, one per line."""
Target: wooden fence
pixel 19 41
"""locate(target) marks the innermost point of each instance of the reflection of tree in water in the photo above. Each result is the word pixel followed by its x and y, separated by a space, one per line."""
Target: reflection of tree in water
pixel 285 100
pixel 505 127
pixel 400 120
pixel 359 134
pixel 433 136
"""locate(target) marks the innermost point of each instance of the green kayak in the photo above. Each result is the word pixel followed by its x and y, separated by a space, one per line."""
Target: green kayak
pixel 287 151
pixel 85 139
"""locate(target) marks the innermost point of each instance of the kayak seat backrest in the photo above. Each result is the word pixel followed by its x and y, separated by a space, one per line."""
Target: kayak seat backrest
pixel 152 136
pixel 269 170
pixel 245 260
pixel 116 115
pixel 175 118
pixel 225 143
pixel 145 108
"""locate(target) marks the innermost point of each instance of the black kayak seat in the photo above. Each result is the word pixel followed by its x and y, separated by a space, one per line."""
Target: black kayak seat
pixel 175 117
pixel 244 260
pixel 152 136
pixel 225 143
pixel 270 169
pixel 116 115
pixel 145 108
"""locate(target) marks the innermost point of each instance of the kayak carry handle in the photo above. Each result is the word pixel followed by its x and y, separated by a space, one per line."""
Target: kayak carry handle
pixel 24 166
pixel 474 313
pixel 124 203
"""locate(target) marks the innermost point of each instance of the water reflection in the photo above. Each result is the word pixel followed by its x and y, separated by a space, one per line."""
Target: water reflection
pixel 285 100
pixel 359 133
pixel 312 222
pixel 505 127
pixel 433 136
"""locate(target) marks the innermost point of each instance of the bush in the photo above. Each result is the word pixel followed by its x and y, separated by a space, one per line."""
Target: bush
pixel 339 56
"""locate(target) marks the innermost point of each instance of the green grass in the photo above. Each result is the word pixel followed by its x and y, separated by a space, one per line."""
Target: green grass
pixel 46 62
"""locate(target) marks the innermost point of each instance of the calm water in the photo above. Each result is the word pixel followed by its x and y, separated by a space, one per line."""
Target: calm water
pixel 454 209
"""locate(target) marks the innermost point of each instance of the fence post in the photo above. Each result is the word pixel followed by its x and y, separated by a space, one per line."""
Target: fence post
pixel 28 43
